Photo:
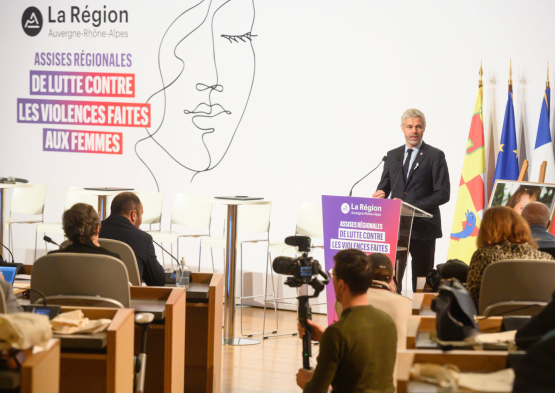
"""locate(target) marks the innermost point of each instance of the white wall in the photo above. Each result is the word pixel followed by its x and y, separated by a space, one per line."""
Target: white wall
pixel 332 80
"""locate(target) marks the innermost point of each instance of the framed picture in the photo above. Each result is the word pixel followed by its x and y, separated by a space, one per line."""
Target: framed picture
pixel 516 195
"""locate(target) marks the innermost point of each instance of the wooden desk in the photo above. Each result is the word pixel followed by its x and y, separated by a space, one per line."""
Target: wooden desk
pixel 166 337
pixel 107 371
pixel 422 286
pixel 422 303
pixel 420 324
pixel 40 373
pixel 203 359
pixel 20 286
pixel 467 361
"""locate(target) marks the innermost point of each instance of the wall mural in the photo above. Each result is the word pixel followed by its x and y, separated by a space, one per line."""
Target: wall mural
pixel 207 65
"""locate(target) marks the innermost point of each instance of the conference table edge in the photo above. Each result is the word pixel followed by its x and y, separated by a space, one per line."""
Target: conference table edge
pixel 41 372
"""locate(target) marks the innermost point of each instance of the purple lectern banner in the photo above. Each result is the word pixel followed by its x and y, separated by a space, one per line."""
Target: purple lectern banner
pixel 368 224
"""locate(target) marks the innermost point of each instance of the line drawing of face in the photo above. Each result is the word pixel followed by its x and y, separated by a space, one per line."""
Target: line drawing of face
pixel 207 66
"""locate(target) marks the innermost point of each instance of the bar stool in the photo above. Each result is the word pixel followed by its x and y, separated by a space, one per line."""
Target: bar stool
pixel 252 220
pixel 152 207
pixel 72 198
pixel 190 212
pixel 28 201
pixel 309 223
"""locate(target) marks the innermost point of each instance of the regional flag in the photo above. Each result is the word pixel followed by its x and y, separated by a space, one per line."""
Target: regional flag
pixel 472 192
pixel 507 158
pixel 543 151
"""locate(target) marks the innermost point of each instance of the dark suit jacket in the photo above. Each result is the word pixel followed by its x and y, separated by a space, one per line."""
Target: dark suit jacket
pixel 427 186
pixel 117 227
pixel 536 327
pixel 542 237
pixel 86 248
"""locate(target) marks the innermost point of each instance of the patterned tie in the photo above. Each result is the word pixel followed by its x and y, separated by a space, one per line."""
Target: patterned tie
pixel 407 164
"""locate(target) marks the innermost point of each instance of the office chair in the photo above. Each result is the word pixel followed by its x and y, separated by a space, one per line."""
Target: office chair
pixel 126 254
pixel 516 287
pixel 89 280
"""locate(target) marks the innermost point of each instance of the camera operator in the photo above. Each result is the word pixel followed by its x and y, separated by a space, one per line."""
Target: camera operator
pixel 357 353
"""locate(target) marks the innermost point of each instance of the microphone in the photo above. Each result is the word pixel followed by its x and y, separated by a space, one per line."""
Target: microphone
pixel 167 252
pixel 13 261
pixel 49 240
pixel 383 160
pixel 20 269
pixel 283 265
pixel 397 178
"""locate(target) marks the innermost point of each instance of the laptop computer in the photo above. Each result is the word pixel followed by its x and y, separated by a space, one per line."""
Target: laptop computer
pixel 9 273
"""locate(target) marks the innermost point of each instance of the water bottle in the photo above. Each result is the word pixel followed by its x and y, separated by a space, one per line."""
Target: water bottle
pixel 182 275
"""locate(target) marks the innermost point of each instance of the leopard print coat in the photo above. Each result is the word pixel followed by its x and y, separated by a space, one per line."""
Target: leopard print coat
pixel 486 255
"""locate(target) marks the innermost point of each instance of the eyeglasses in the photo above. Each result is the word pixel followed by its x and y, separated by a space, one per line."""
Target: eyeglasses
pixel 331 273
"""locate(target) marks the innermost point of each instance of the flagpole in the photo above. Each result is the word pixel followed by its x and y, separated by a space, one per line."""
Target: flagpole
pixel 511 76
pixel 481 83
pixel 547 83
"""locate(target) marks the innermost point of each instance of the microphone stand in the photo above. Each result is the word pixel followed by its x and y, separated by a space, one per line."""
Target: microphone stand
pixel 383 160
pixel 167 252
pixel 20 269
pixel 397 178
pixel 13 261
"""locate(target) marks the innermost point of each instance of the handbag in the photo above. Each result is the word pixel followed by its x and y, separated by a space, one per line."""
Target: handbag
pixel 453 268
pixel 433 279
pixel 455 312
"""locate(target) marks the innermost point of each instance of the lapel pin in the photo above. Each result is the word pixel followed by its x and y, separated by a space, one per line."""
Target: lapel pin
pixel 421 153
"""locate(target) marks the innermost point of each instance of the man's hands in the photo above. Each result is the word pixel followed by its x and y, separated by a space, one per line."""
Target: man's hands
pixel 378 194
pixel 316 329
pixel 304 375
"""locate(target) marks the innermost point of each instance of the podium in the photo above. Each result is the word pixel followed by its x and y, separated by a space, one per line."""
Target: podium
pixel 406 219
pixel 368 224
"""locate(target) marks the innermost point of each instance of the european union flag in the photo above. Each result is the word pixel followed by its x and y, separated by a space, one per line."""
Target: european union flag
pixel 507 158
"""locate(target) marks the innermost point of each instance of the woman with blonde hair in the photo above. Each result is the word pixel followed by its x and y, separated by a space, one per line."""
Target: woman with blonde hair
pixel 504 234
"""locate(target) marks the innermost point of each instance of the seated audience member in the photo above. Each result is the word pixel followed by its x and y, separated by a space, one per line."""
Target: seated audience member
pixel 534 372
pixel 504 234
pixel 380 296
pixel 123 224
pixel 81 225
pixel 537 326
pixel 537 216
pixel 357 353
pixel 12 306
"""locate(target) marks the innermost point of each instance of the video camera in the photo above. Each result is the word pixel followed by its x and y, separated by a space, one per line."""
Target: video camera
pixel 303 270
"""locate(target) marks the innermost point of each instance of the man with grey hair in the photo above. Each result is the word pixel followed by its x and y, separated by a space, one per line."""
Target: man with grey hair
pixel 417 174
pixel 537 216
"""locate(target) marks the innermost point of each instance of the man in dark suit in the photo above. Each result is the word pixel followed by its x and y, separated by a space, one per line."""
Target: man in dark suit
pixel 417 174
pixel 123 224
pixel 537 216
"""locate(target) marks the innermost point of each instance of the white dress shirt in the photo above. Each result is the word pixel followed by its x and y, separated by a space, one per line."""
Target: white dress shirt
pixel 412 156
